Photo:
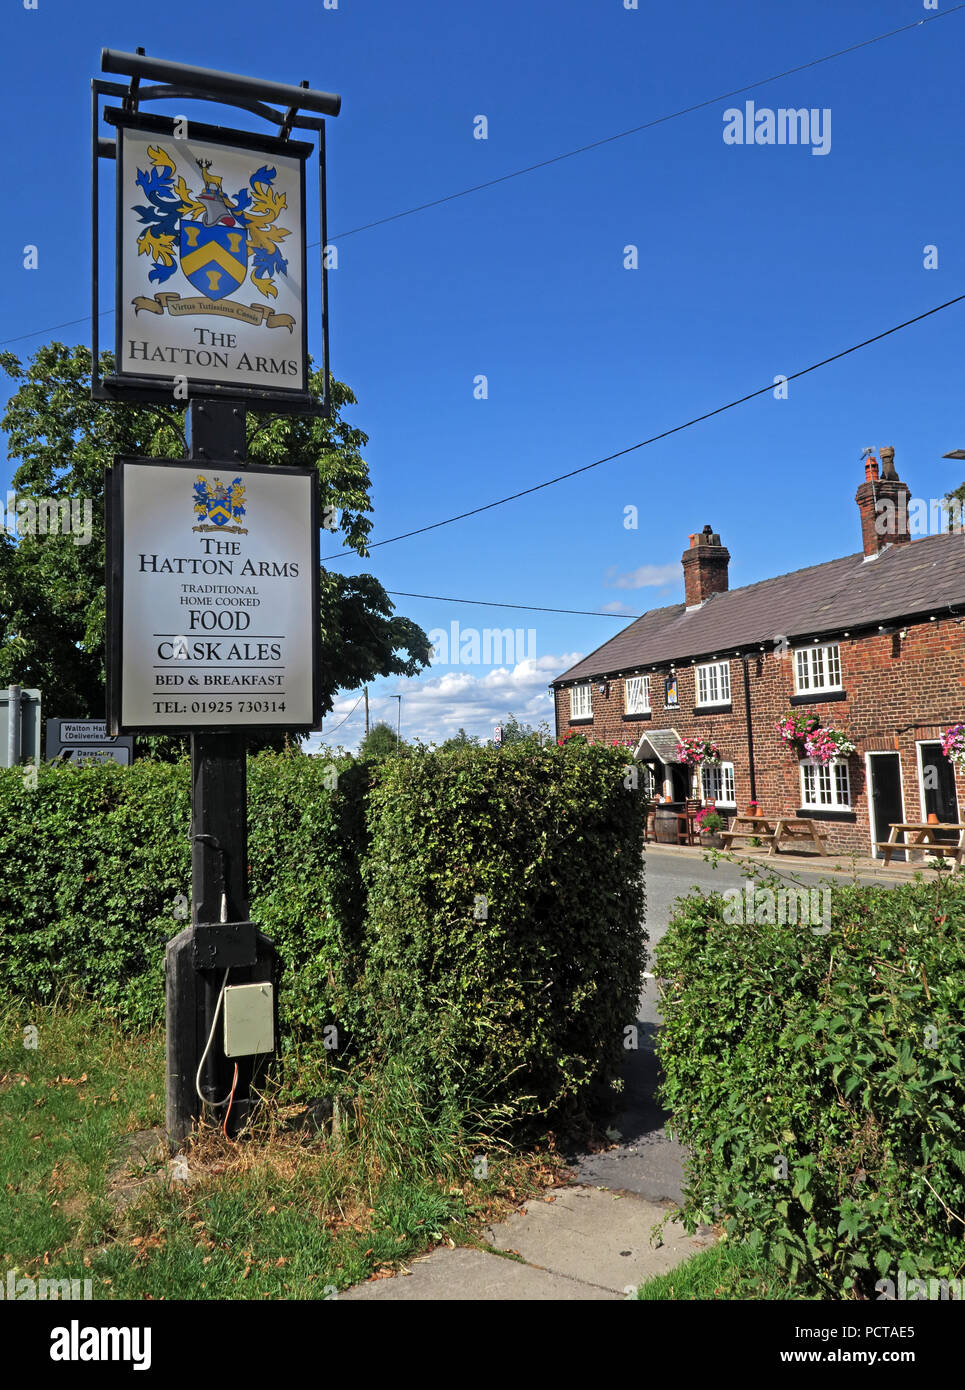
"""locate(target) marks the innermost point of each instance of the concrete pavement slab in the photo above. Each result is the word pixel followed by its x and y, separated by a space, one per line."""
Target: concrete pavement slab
pixel 453 1275
pixel 598 1237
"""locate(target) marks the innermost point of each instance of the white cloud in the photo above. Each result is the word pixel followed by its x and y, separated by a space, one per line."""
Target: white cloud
pixel 645 577
pixel 617 606
pixel 436 707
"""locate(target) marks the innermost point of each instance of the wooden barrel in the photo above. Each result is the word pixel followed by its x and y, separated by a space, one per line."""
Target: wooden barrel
pixel 665 825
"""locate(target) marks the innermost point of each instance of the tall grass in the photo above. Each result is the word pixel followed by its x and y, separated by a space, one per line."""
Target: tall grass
pixel 293 1210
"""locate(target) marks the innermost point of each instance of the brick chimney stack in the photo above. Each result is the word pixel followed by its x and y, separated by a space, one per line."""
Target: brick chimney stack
pixel 883 504
pixel 705 568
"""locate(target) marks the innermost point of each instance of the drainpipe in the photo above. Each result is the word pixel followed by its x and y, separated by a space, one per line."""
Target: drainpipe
pixel 750 730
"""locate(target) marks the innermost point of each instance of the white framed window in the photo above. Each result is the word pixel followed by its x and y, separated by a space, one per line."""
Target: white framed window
pixel 717 783
pixel 636 695
pixel 817 668
pixel 825 786
pixel 581 701
pixel 713 683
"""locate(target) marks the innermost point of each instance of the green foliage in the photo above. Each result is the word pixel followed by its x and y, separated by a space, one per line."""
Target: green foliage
pixel 506 904
pixel 515 732
pixel 294 1212
pixel 459 741
pixel 381 741
pixel 95 861
pixel 727 1271
pixel 841 1055
pixel 306 837
pixel 368 892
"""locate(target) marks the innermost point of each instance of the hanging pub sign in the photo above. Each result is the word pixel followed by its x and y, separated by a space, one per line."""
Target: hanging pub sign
pixel 212 275
pixel 213 578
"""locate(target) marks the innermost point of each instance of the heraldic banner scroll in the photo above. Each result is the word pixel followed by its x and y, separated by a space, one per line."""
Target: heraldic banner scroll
pixel 210 258
pixel 213 575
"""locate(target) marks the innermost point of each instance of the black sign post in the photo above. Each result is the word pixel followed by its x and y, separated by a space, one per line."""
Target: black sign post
pixel 208 339
pixel 221 944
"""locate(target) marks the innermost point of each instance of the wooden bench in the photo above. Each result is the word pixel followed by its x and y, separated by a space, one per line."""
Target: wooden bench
pixel 924 840
pixel 799 828
pixel 760 828
pixel 772 830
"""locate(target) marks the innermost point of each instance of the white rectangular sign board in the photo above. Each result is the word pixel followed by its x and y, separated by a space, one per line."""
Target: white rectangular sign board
pixel 211 263
pixel 74 731
pixel 212 596
pixel 82 757
pixel 83 741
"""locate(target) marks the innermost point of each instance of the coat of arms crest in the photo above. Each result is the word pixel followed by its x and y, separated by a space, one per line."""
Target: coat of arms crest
pixel 217 239
pixel 217 505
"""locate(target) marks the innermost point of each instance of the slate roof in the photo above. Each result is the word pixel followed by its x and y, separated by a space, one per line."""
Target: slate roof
pixel 662 745
pixel 918 578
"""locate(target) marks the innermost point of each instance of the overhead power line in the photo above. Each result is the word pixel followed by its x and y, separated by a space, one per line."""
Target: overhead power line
pixel 348 716
pixel 570 154
pixel 529 607
pixel 647 125
pixel 655 438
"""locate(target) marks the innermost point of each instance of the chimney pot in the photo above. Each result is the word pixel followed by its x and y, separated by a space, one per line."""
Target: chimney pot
pixel 705 567
pixel 883 504
pixel 888 463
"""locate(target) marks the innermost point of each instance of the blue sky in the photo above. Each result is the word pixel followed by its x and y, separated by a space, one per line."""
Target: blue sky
pixel 753 261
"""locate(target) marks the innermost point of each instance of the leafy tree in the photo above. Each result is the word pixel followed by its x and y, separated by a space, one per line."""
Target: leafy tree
pixel 460 740
pixel 52 613
pixel 381 741
pixel 515 732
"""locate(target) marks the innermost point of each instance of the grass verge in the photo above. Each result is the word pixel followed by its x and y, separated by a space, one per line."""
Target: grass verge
pixel 87 1189
pixel 729 1271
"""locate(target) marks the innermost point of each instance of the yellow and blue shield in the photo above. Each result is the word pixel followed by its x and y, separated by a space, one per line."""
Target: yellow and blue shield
pixel 214 259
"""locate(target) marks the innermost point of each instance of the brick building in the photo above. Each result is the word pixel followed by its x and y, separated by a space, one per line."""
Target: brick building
pixel 872 644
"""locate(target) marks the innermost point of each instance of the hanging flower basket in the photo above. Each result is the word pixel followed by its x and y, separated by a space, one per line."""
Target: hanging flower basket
pixel 825 744
pixel 953 744
pixel 694 751
pixel 806 735
pixel 795 728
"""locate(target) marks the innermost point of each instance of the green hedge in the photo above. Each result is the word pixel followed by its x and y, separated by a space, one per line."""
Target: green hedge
pixel 93 863
pixel 547 843
pixel 834 1057
pixel 366 883
pixel 98 876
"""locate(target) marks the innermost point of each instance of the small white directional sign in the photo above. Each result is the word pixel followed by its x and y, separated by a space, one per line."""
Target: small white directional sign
pixel 83 741
pixel 81 757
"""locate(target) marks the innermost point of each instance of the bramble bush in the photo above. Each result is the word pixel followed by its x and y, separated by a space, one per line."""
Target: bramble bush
pixel 835 1060
pixel 364 874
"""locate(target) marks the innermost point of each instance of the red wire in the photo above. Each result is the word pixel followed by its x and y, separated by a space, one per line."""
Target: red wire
pixel 224 1128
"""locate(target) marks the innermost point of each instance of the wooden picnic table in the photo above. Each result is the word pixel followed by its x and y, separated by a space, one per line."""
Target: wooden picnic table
pixel 761 828
pixel 771 830
pixel 924 833
pixel 800 828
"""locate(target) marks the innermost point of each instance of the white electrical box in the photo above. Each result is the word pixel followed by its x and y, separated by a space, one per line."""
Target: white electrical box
pixel 249 1020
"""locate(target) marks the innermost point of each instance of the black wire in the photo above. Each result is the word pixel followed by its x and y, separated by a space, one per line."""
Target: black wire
pixel 348 716
pixel 647 125
pixel 569 154
pixel 665 434
pixel 529 607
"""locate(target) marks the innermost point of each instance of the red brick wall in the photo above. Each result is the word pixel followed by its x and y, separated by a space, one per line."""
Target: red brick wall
pixel 890 684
